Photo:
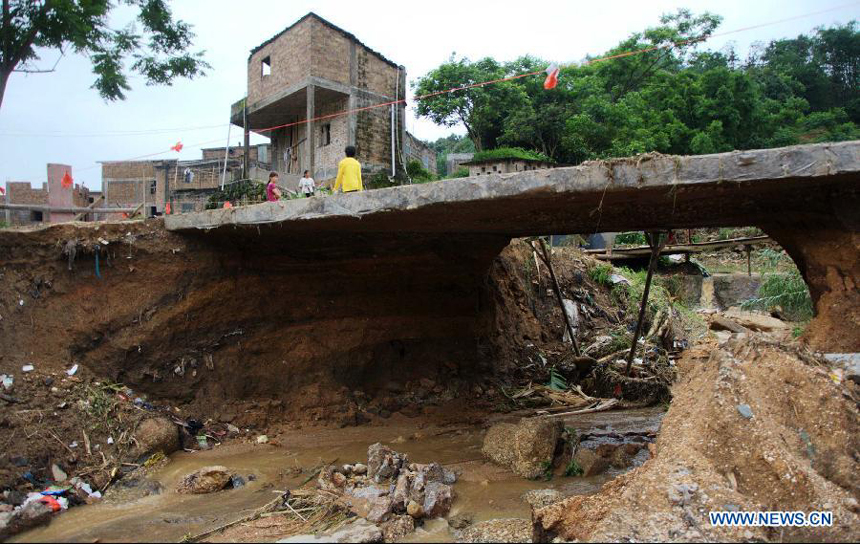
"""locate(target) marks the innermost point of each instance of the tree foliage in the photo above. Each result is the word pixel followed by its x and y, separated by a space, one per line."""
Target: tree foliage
pixel 156 46
pixel 675 99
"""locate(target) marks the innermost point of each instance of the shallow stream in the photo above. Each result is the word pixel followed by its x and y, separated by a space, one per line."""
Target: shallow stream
pixel 482 490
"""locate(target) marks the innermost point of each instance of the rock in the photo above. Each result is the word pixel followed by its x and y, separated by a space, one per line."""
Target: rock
pixel 338 479
pixel 347 470
pixel 745 410
pixel 237 482
pixel 719 323
pixel 527 448
pixel 449 476
pixel 358 531
pixel 397 528
pixel 383 463
pixel 156 434
pixel 538 498
pixel 233 429
pixel 205 480
pixel 460 521
pixel 756 321
pixel 58 474
pixel 590 462
pixel 380 509
pixel 325 480
pixel 415 510
pixel 499 530
pixel 401 494
pixel 262 439
pixel 682 494
pixel 437 499
pixel 359 469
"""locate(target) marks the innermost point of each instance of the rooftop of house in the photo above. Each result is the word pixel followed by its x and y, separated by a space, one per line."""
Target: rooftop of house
pixel 328 24
pixel 508 154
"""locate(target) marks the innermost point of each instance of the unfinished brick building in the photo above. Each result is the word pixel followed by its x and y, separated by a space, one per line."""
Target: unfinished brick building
pixel 314 69
pixel 52 194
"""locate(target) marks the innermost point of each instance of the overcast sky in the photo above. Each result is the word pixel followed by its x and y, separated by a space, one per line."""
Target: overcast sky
pixel 56 117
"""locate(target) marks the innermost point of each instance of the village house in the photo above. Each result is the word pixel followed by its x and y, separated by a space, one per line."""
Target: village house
pixel 51 194
pixel 505 161
pixel 300 83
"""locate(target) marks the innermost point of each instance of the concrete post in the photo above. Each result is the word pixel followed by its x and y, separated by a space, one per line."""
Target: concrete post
pixel 8 211
pixel 311 143
pixel 246 164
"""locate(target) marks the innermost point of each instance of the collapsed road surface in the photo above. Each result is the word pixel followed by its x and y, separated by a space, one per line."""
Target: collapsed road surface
pixel 438 239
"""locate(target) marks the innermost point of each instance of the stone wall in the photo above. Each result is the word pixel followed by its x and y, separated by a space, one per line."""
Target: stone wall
pixel 328 156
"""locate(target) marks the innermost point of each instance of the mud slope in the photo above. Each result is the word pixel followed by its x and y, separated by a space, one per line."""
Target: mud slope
pixel 798 452
pixel 177 318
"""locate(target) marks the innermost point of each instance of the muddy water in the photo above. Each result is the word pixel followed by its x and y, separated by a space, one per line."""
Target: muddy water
pixel 483 490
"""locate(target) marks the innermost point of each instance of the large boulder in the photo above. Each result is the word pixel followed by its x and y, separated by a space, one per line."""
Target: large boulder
pixel 205 480
pixel 527 448
pixel 591 461
pixel 397 528
pixel 156 434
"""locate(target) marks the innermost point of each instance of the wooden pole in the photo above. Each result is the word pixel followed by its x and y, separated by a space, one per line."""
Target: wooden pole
pixel 748 249
pixel 548 262
pixel 656 243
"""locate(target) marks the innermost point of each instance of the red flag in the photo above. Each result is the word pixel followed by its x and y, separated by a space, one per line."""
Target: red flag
pixel 551 77
pixel 67 180
pixel 2 191
pixel 228 204
pixel 167 208
pixel 177 147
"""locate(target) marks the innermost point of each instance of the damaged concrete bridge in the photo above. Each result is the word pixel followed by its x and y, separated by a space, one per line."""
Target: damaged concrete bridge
pixel 429 246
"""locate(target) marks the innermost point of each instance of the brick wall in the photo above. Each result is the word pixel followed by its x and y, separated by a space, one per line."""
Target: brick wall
pixel 328 156
pixel 21 192
pixel 236 152
pixel 330 52
pixel 290 56
pixel 417 150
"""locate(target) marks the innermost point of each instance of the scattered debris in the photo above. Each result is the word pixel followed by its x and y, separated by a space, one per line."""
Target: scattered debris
pixel 28 368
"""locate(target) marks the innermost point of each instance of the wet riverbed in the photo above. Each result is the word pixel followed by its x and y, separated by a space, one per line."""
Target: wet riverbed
pixel 483 490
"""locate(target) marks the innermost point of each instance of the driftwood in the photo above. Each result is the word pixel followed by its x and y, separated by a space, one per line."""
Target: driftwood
pixel 603 405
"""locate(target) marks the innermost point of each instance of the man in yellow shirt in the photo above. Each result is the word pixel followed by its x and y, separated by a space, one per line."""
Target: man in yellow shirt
pixel 348 173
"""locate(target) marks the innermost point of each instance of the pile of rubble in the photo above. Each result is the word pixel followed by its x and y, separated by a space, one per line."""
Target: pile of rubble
pixel 391 492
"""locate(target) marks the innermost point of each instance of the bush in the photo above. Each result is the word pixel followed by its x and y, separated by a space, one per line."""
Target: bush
pixel 631 238
pixel 418 173
pixel 461 172
pixel 600 274
pixel 379 180
pixel 244 191
pixel 788 291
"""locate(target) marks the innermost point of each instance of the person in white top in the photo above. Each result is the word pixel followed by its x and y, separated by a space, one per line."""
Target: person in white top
pixel 306 185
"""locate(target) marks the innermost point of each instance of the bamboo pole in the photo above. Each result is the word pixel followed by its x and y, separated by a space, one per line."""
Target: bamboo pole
pixel 548 262
pixel 656 243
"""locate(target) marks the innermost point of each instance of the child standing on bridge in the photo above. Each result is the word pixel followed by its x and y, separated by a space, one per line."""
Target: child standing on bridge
pixel 348 173
pixel 306 185
pixel 273 194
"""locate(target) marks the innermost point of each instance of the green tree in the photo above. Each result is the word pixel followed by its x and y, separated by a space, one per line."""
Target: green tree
pixel 479 109
pixel 159 49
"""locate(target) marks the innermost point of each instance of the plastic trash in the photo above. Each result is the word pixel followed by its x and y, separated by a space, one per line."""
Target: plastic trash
pixel 8 381
pixel 262 439
pixel 110 440
pixel 28 368
pixel 72 371
pixel 74 444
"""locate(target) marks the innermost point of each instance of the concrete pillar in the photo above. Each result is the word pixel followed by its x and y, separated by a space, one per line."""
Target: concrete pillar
pixel 311 141
pixel 246 164
pixel 8 211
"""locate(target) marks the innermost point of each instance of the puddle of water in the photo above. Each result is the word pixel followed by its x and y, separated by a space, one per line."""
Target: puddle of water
pixel 483 490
